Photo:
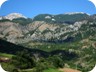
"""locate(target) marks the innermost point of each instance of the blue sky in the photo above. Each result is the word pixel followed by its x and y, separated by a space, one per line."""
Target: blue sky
pixel 31 8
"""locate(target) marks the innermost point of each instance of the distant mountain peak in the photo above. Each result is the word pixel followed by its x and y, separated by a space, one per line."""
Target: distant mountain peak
pixel 14 16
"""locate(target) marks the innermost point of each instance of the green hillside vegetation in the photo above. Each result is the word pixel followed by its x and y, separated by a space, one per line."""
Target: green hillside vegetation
pixel 6 55
pixel 86 56
pixel 5 20
pixel 22 21
pixel 23 60
pixel 61 18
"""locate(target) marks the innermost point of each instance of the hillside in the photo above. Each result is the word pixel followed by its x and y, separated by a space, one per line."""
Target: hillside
pixel 72 36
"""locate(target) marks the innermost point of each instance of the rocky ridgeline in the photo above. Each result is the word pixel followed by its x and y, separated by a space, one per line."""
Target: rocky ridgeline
pixel 44 30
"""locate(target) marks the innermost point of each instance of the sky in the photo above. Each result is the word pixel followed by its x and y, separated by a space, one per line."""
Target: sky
pixel 31 8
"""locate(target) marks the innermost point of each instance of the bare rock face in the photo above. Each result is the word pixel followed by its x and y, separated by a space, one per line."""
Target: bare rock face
pixel 10 31
pixel 37 30
pixel 35 25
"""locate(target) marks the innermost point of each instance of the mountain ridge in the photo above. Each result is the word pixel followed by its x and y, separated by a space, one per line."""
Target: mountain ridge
pixel 45 27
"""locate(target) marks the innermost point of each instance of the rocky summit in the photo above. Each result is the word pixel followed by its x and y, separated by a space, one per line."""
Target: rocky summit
pixel 12 16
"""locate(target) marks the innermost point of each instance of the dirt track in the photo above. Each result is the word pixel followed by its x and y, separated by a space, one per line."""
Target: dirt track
pixel 69 70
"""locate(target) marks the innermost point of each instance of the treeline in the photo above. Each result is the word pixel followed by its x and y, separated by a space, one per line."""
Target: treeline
pixel 10 48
